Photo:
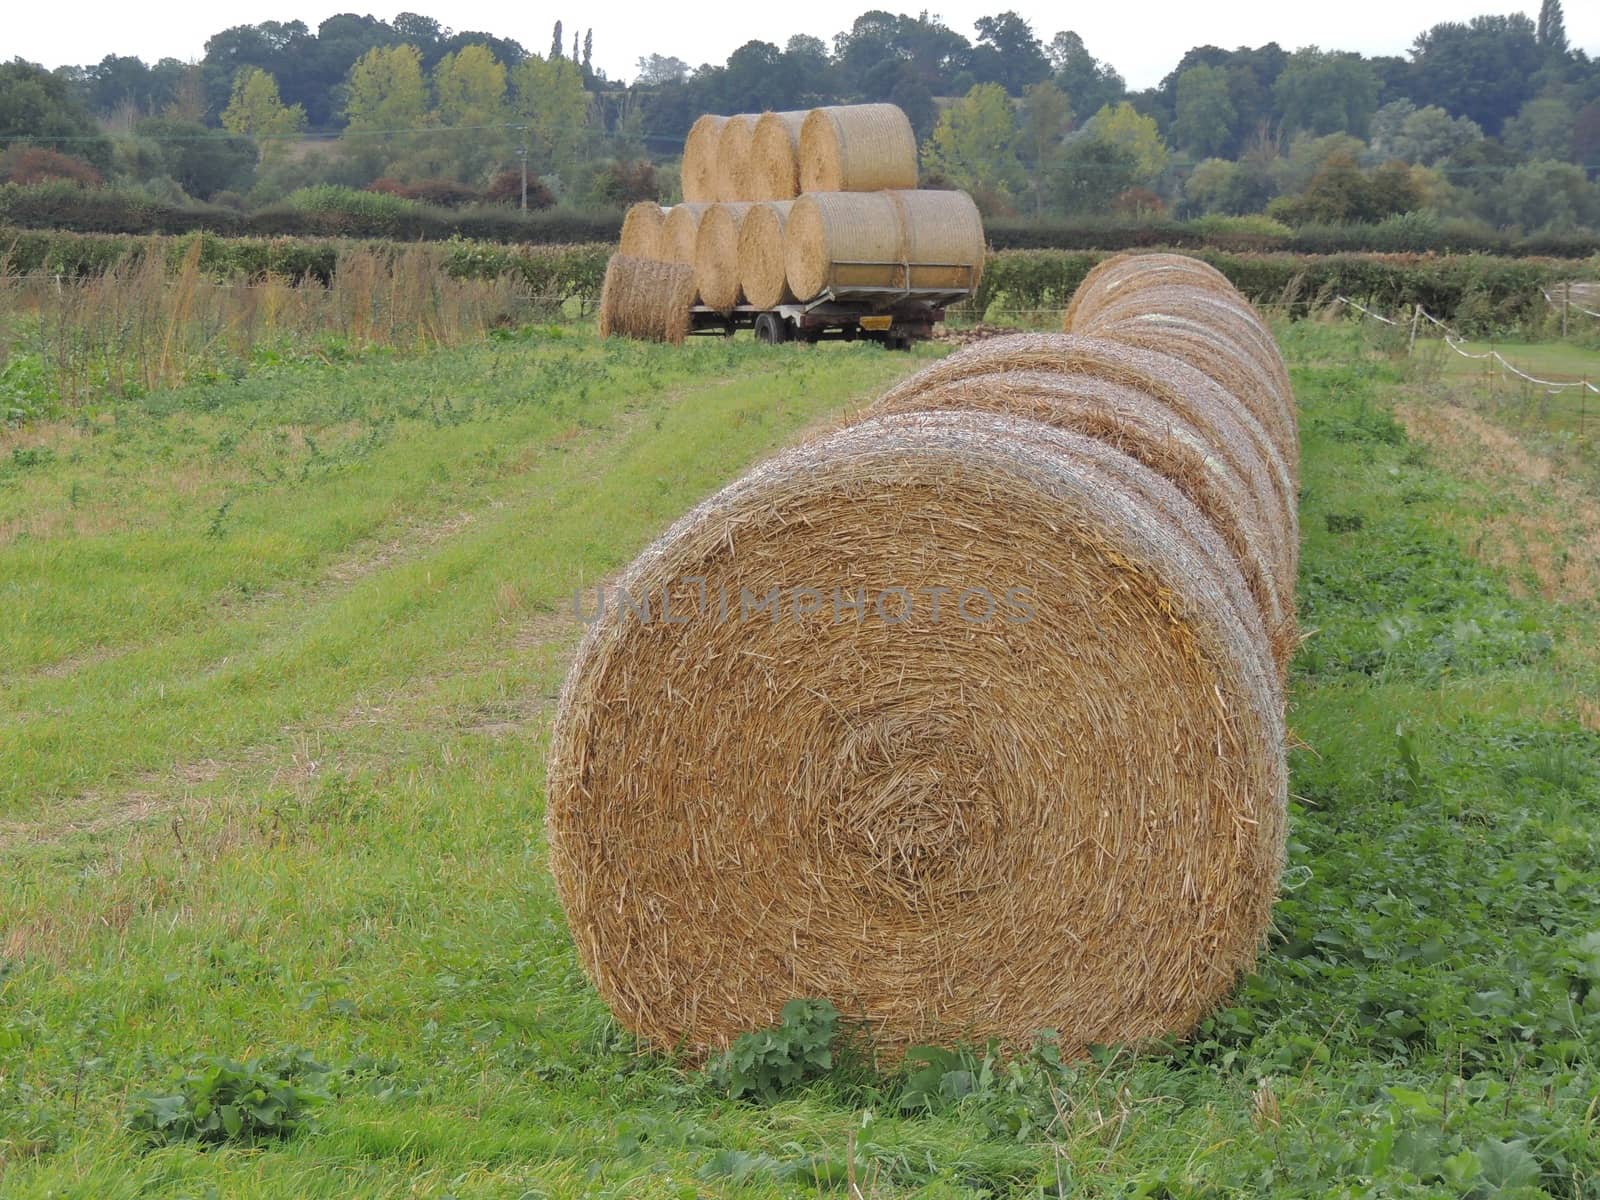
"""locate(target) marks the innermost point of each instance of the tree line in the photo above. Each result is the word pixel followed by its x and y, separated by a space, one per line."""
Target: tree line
pixel 1496 119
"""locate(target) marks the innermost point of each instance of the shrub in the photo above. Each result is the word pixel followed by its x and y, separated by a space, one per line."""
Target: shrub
pixel 1139 202
pixel 765 1062
pixel 442 193
pixel 219 1100
pixel 36 164
pixel 506 188
pixel 623 183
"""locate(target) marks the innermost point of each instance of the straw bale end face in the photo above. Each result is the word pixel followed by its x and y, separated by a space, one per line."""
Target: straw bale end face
pixel 1056 803
pixel 857 148
pixel 700 181
pixel 642 298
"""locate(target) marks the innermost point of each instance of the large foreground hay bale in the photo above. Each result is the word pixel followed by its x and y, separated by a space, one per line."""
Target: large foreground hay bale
pixel 857 148
pixel 700 159
pixel 843 239
pixel 642 298
pixel 680 231
pixel 775 156
pixel 716 255
pixel 1229 429
pixel 958 826
pixel 1155 435
pixel 642 228
pixel 762 277
pixel 735 165
pixel 941 237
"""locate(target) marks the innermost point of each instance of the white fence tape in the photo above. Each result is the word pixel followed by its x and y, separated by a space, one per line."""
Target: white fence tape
pixel 1455 341
pixel 1588 312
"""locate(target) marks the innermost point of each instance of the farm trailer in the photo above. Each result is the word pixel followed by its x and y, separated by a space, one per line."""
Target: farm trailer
pixel 851 308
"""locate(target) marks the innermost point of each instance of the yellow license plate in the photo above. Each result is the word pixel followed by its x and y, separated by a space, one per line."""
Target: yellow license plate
pixel 876 324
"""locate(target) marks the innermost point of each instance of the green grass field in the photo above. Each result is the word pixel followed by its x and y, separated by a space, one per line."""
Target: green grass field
pixel 276 667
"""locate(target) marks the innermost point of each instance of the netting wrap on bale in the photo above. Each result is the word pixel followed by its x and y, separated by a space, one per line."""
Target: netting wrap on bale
pixel 716 255
pixel 941 237
pixel 775 156
pixel 735 165
pixel 841 240
pixel 1055 802
pixel 642 228
pixel 700 181
pixel 890 239
pixel 762 277
pixel 643 298
pixel 857 148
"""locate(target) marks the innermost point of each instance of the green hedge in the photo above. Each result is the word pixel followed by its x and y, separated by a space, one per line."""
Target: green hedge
pixel 51 206
pixel 68 207
pixel 565 272
pixel 1390 237
pixel 1479 291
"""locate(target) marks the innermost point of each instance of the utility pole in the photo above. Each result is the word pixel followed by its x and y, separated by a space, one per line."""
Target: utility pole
pixel 522 154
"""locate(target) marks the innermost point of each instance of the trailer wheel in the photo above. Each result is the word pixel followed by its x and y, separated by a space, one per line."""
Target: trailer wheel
pixel 772 329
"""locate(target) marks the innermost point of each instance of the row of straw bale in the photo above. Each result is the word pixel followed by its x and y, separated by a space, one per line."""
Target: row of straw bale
pixel 969 713
pixel 779 155
pixel 781 251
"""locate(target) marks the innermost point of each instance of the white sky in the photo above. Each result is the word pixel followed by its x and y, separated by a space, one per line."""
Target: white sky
pixel 1143 41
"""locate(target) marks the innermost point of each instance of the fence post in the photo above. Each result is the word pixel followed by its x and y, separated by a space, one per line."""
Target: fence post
pixel 1566 303
pixel 1416 315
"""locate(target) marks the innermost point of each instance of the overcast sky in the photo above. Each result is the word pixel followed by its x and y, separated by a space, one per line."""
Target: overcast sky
pixel 1143 41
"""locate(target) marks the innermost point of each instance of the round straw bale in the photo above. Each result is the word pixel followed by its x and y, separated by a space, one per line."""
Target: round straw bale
pixel 761 270
pixel 1229 428
pixel 1112 274
pixel 641 230
pixel 943 238
pixel 1229 318
pixel 1155 435
pixel 839 239
pixel 643 298
pixel 857 148
pixel 716 255
pixel 735 163
pixel 1219 356
pixel 700 159
pixel 775 156
pixel 953 827
pixel 680 231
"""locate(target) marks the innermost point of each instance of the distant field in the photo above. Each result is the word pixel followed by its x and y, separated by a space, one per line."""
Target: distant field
pixel 276 670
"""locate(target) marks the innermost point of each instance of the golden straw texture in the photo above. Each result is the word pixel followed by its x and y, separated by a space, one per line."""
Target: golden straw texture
pixel 775 154
pixel 716 255
pixel 840 239
pixel 761 270
pixel 857 148
pixel 645 299
pixel 680 231
pixel 641 230
pixel 956 827
pixel 700 159
pixel 735 168
pixel 1231 432
pixel 942 238
pixel 1153 433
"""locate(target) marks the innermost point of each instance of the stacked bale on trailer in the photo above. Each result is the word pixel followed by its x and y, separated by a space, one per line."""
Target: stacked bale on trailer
pixel 858 226
pixel 967 716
